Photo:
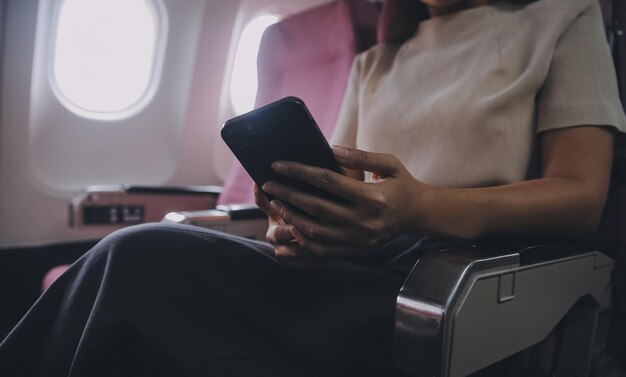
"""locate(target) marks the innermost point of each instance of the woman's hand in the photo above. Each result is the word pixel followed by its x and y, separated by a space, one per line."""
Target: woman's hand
pixel 280 235
pixel 374 212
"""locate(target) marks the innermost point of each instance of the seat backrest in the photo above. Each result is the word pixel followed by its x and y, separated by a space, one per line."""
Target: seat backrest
pixel 309 56
pixel 619 23
pixel 614 221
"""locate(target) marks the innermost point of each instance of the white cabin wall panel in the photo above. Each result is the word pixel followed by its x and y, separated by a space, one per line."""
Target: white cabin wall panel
pixel 44 162
pixel 196 155
pixel 26 213
pixel 15 190
pixel 69 151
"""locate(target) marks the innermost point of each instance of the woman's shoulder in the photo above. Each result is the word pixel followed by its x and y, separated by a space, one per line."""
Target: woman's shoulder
pixel 376 57
pixel 379 51
pixel 549 9
pixel 531 28
pixel 542 22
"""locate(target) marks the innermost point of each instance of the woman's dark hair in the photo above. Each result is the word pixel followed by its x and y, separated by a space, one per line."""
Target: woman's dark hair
pixel 399 19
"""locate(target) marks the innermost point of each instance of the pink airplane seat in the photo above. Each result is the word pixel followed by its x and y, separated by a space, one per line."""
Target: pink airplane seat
pixel 52 276
pixel 309 56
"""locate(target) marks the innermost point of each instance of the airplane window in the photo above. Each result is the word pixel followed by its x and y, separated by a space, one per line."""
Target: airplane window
pixel 104 55
pixel 243 82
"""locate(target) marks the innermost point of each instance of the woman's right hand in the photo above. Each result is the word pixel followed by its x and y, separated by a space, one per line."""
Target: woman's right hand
pixel 280 235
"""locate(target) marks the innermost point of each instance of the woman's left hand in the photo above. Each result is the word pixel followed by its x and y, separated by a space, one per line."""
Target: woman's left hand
pixel 374 212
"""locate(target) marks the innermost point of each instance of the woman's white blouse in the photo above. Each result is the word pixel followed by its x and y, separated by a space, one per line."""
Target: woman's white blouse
pixel 461 102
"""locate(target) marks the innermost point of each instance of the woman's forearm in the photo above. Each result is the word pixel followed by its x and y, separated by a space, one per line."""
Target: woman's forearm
pixel 567 202
pixel 554 206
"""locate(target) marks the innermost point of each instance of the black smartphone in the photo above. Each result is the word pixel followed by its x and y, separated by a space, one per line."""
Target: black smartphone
pixel 282 130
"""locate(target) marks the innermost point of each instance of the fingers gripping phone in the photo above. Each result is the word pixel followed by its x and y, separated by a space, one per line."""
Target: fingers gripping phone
pixel 283 130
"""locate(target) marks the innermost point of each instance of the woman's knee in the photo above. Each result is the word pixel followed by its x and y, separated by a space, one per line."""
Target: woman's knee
pixel 169 246
pixel 138 244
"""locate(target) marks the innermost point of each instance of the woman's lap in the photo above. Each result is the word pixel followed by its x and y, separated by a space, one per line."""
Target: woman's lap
pixel 176 300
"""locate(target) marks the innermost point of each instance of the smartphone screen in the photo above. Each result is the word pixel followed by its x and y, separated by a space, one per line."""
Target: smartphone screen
pixel 282 130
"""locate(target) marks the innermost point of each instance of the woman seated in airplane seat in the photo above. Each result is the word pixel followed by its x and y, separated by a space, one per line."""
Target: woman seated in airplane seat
pixel 474 118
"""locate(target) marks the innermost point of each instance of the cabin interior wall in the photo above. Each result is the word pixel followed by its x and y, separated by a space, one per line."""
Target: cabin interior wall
pixel 33 213
pixel 19 200
pixel 46 149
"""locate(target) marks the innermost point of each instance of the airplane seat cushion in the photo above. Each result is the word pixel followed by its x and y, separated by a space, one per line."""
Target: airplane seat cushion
pixel 308 55
pixel 606 10
pixel 616 207
pixel 613 230
pixel 52 275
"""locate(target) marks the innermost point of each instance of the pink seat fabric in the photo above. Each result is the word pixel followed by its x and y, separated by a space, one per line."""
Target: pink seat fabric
pixel 309 56
pixel 52 276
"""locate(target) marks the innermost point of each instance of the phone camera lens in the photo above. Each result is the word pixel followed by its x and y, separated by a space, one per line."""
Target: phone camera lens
pixel 255 139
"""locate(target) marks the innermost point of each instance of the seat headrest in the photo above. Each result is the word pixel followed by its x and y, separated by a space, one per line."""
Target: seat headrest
pixel 308 55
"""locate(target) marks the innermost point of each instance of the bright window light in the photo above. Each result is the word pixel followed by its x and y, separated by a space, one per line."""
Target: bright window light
pixel 243 83
pixel 104 53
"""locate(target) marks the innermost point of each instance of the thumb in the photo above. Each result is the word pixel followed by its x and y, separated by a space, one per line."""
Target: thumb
pixel 261 201
pixel 380 164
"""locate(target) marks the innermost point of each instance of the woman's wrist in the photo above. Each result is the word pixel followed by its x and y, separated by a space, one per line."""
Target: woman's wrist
pixel 420 214
pixel 447 212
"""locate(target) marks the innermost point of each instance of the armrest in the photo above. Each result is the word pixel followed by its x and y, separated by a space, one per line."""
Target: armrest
pixel 116 206
pixel 464 309
pixel 239 219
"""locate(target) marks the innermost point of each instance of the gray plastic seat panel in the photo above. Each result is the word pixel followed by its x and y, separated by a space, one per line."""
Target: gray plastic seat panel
pixel 460 311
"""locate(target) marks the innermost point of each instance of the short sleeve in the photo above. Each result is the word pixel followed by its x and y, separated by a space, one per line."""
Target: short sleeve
pixel 581 86
pixel 348 120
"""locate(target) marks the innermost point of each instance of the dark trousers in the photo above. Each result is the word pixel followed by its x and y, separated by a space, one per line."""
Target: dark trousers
pixel 165 300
